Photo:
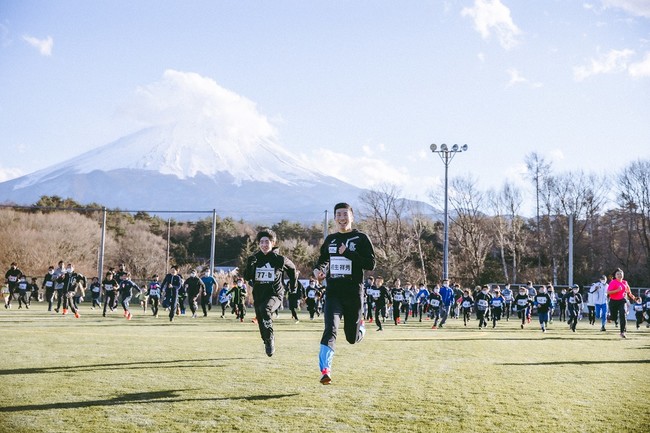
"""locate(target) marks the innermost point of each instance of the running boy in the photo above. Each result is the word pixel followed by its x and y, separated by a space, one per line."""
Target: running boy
pixel 466 303
pixel 522 303
pixel 343 258
pixel 265 270
pixel 574 306
pixel 543 302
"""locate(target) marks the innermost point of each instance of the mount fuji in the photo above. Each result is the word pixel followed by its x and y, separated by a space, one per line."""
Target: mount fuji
pixel 198 147
pixel 189 168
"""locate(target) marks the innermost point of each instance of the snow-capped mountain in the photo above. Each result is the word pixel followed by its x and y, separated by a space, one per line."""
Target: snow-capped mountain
pixel 203 147
pixel 175 167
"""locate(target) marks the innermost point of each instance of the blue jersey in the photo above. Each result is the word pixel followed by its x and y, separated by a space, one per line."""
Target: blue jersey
pixel 209 283
pixel 423 296
pixel 447 295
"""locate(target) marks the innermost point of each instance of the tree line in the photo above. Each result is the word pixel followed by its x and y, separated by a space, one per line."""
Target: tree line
pixel 490 238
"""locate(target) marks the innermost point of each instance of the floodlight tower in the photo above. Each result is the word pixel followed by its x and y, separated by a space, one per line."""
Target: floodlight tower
pixel 446 155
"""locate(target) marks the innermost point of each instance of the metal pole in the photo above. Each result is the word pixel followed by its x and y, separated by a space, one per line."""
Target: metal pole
pixel 326 225
pixel 445 256
pixel 213 240
pixel 169 232
pixel 570 250
pixel 102 246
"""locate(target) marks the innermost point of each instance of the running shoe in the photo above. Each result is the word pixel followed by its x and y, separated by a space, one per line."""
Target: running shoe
pixel 269 346
pixel 325 379
pixel 77 315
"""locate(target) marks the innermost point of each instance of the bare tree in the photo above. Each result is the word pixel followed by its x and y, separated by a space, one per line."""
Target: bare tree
pixel 539 170
pixel 470 228
pixel 634 196
pixel 509 227
pixel 385 216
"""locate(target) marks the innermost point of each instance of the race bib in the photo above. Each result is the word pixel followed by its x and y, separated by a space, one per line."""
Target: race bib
pixel 435 303
pixel 96 289
pixel 49 284
pixel 541 301
pixel 340 266
pixel 638 308
pixel 264 275
pixel 108 287
pixel 522 302
pixel 496 303
pixel 482 303
pixel 399 298
pixel 154 292
pixel 466 304
pixel 572 300
pixel 12 278
pixel 311 294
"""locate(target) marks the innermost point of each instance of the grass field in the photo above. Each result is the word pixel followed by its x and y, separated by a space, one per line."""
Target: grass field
pixel 99 374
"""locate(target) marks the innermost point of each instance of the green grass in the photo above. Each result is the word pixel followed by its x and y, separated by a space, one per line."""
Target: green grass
pixel 105 375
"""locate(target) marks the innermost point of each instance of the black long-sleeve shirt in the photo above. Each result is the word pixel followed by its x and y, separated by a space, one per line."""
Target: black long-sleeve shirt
pixel 345 271
pixel 265 272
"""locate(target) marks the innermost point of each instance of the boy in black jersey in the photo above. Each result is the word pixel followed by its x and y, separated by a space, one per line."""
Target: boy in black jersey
pixel 264 270
pixel 48 287
pixel 313 293
pixel 11 277
pixel 343 258
pixel 109 285
pixel 95 293
pixel 397 294
pixel 522 303
pixel 382 298
pixel 482 302
pixel 171 285
pixel 435 301
pixel 543 302
pixel 126 293
pixel 466 303
pixel 23 288
pixel 496 305
pixel 574 306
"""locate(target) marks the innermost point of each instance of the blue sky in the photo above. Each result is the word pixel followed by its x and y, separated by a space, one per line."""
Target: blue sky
pixel 358 88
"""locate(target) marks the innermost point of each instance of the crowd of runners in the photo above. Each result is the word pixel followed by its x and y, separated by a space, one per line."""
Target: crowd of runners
pixel 336 290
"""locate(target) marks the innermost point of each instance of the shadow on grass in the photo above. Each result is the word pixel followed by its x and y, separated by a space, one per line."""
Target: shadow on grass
pixel 115 366
pixel 443 339
pixel 626 361
pixel 170 396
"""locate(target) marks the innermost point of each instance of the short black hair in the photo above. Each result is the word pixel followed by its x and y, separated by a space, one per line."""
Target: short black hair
pixel 343 205
pixel 266 233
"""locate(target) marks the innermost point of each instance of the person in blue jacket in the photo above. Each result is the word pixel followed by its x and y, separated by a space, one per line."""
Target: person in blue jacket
pixel 224 299
pixel 126 288
pixel 423 300
pixel 210 283
pixel 448 300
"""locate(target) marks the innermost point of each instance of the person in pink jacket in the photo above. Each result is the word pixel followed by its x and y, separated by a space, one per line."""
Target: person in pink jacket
pixel 618 290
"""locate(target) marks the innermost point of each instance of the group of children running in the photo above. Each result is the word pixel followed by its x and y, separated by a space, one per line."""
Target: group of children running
pixel 343 298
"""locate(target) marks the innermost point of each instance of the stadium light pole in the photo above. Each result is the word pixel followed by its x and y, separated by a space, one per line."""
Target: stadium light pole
pixel 446 154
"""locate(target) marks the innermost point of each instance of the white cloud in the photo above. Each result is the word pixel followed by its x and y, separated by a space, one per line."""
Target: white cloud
pixel 367 150
pixel 493 16
pixel 610 62
pixel 44 46
pixel 10 173
pixel 517 78
pixel 635 7
pixel 368 172
pixel 640 69
pixel 481 57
